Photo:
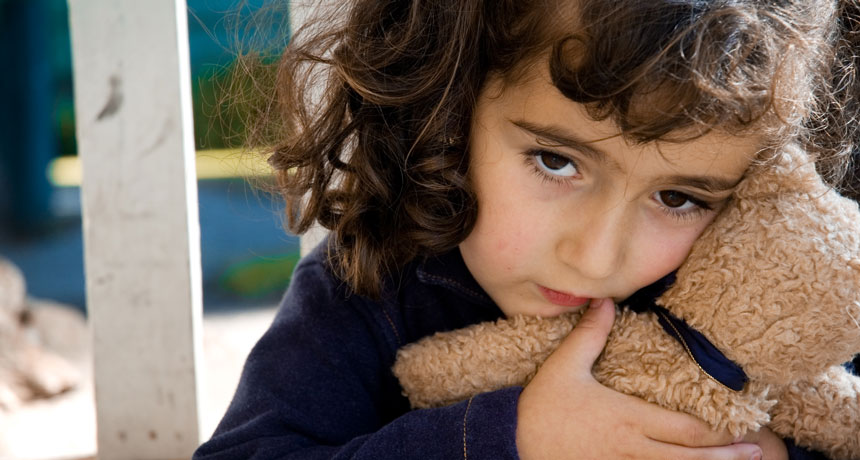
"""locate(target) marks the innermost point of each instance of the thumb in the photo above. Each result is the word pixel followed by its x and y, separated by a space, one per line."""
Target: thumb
pixel 587 339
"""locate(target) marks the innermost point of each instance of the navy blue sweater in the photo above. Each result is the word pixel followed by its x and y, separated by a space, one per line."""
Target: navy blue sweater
pixel 318 384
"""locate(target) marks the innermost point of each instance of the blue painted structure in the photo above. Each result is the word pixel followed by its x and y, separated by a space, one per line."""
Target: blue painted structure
pixel 27 92
pixel 40 227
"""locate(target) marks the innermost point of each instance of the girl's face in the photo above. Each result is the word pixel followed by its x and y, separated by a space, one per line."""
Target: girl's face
pixel 569 211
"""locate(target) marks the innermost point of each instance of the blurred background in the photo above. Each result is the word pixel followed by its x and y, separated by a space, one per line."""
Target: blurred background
pixel 247 256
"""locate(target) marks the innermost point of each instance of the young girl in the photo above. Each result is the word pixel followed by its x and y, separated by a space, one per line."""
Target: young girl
pixel 474 159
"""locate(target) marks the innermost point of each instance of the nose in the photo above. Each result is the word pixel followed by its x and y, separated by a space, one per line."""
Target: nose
pixel 595 246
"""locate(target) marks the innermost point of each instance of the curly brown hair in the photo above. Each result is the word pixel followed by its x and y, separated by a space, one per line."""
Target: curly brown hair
pixel 375 99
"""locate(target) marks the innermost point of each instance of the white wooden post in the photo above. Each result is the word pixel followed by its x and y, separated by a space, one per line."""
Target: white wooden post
pixel 300 13
pixel 141 229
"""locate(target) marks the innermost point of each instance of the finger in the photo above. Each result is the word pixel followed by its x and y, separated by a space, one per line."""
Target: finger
pixel 679 428
pixel 772 446
pixel 742 451
pixel 585 342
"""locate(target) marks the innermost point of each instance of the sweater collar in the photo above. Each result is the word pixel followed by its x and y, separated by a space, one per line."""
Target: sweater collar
pixel 449 271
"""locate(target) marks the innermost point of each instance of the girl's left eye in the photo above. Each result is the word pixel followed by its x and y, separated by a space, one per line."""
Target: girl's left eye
pixel 679 204
pixel 674 199
pixel 555 164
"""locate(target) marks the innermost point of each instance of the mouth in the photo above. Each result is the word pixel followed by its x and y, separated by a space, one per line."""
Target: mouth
pixel 564 299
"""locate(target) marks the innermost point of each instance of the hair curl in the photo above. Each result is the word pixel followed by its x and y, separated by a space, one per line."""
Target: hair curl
pixel 375 99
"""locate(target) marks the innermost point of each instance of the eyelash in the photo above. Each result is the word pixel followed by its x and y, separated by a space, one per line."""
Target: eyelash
pixel 532 160
pixel 531 157
pixel 701 208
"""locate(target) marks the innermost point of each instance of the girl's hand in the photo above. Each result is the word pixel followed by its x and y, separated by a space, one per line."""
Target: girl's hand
pixel 565 413
pixel 771 445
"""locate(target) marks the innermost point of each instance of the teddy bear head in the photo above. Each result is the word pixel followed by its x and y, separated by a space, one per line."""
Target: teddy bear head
pixel 774 281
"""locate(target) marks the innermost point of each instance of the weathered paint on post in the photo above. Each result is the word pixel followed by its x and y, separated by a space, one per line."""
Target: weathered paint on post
pixel 141 228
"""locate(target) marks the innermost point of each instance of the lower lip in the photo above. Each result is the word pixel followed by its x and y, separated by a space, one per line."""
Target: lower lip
pixel 562 298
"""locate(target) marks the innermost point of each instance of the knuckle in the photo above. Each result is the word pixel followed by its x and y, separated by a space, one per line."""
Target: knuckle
pixel 695 435
pixel 586 322
pixel 627 426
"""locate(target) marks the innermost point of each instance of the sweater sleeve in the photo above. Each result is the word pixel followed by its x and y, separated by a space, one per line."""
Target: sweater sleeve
pixel 796 452
pixel 318 385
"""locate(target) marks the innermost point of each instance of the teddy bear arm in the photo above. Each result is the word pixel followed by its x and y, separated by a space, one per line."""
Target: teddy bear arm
pixel 822 413
pixel 453 366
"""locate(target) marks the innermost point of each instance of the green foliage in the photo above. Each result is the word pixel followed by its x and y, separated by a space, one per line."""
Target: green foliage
pixel 232 102
pixel 259 277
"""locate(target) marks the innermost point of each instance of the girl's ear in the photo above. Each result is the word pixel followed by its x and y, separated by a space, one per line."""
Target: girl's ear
pixel 774 282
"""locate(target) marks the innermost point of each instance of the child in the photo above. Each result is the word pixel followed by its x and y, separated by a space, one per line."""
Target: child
pixel 474 159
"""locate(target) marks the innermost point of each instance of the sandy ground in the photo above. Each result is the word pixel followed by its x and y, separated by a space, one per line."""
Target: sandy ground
pixel 64 427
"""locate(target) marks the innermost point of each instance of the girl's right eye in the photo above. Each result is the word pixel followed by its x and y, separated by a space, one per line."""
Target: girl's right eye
pixel 554 164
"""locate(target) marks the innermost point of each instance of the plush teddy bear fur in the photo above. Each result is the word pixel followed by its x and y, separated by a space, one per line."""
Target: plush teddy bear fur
pixel 774 283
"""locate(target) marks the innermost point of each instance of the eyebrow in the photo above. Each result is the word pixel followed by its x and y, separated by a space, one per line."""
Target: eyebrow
pixel 709 183
pixel 712 184
pixel 562 137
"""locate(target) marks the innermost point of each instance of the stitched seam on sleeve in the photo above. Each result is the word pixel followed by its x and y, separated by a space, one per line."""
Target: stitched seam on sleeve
pixel 393 328
pixel 465 416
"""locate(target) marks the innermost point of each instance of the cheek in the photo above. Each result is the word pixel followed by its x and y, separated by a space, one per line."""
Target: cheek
pixel 664 251
pixel 504 235
pixel 498 242
pixel 510 233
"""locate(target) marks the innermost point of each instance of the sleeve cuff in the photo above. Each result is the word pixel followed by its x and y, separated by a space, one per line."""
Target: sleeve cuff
pixel 490 425
pixel 796 452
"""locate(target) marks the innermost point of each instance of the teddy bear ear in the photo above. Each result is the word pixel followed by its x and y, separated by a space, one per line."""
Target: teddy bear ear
pixel 789 171
pixel 774 281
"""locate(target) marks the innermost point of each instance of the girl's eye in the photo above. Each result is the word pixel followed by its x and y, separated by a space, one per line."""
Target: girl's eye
pixel 680 205
pixel 673 199
pixel 555 164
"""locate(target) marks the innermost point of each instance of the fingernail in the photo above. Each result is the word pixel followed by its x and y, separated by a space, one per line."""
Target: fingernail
pixel 756 456
pixel 600 304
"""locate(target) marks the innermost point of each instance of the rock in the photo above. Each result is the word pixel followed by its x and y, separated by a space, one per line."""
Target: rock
pixel 12 289
pixel 42 344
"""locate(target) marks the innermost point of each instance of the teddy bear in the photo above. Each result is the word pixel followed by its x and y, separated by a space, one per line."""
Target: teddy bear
pixel 752 331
